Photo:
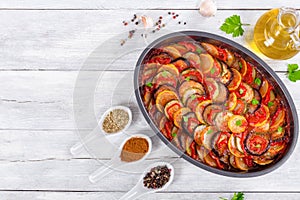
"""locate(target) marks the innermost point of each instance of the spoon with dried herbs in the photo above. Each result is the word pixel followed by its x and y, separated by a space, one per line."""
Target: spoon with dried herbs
pixel 133 150
pixel 156 177
pixel 113 121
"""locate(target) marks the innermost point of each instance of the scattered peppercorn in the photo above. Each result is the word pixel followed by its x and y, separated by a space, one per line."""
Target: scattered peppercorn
pixel 184 23
pixel 160 17
pixel 179 22
pixel 169 13
pixel 157 177
pixel 177 15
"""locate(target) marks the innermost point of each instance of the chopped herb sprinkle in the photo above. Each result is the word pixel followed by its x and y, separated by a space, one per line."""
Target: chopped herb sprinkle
pixel 257 81
pixel 238 122
pixel 254 102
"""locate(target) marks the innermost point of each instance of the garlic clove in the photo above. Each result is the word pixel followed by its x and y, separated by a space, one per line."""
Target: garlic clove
pixel 147 21
pixel 208 8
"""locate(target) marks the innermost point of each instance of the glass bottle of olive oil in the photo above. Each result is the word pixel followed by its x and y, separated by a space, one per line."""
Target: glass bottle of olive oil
pixel 276 33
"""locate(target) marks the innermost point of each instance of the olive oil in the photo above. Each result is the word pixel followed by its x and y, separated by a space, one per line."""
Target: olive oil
pixel 272 33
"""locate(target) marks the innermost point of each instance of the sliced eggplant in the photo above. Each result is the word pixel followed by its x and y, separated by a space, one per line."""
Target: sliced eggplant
pixel 200 108
pixel 227 74
pixel 207 136
pixel 182 49
pixel 194 100
pixel 257 143
pixel 189 123
pixel 181 63
pixel 223 94
pixel 212 88
pixel 264 88
pixel 188 85
pixel 258 81
pixel 254 105
pixel 193 58
pixel 190 92
pixel 210 112
pixel 178 115
pixel 233 146
pixel 165 78
pixel 278 134
pixel 197 133
pixel 248 94
pixel 215 71
pixel 207 63
pixel 172 107
pixel 191 74
pixel 221 120
pixel 202 152
pixel 172 51
pixel 170 68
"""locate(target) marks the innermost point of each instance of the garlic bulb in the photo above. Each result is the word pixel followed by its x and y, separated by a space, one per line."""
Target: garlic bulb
pixel 147 21
pixel 208 8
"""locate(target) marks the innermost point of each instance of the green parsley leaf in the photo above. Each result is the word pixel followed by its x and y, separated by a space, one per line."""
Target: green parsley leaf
pixel 254 102
pixel 198 50
pixel 209 131
pixel 293 73
pixel 213 70
pixel 149 84
pixel 188 78
pixel 164 73
pixel 185 119
pixel 280 129
pixel 193 97
pixel 233 25
pixel 257 146
pixel 270 104
pixel 238 122
pixel 257 81
pixel 241 91
pixel 240 64
pixel 238 196
pixel 174 135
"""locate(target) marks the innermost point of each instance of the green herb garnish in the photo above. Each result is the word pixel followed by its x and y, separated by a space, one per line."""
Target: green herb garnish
pixel 233 25
pixel 238 122
pixel 149 84
pixel 240 64
pixel 209 131
pixel 198 50
pixel 257 146
pixel 174 135
pixel 193 97
pixel 254 101
pixel 236 196
pixel 213 70
pixel 257 81
pixel 280 129
pixel 164 73
pixel 270 104
pixel 241 91
pixel 188 78
pixel 185 119
pixel 293 73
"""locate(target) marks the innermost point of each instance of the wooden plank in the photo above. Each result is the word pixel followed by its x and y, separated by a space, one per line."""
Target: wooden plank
pixel 63 40
pixel 22 145
pixel 117 195
pixel 118 4
pixel 71 175
pixel 30 100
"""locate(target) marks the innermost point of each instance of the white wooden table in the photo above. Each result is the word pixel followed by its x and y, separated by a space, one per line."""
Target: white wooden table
pixel 43 45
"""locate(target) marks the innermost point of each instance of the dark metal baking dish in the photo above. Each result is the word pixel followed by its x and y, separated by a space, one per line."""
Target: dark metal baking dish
pixel 248 56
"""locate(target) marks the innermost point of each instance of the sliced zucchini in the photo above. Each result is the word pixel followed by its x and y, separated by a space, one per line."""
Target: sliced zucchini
pixel 163 98
pixel 188 85
pixel 227 74
pixel 170 68
pixel 223 94
pixel 237 124
pixel 207 63
pixel 200 108
pixel 171 107
pixel 221 120
pixel 210 112
pixel 254 105
pixel 178 115
pixel 236 80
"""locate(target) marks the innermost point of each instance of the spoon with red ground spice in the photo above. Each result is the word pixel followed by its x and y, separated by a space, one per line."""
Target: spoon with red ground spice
pixel 134 149
pixel 157 177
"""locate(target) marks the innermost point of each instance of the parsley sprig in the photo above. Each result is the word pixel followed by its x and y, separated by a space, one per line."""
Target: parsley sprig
pixel 293 73
pixel 236 196
pixel 233 25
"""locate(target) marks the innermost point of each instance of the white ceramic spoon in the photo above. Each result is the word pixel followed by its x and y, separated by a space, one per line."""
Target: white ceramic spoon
pixel 78 147
pixel 139 189
pixel 116 161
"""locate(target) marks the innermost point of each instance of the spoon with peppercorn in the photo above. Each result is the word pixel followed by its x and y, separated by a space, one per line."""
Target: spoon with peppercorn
pixel 157 177
pixel 133 150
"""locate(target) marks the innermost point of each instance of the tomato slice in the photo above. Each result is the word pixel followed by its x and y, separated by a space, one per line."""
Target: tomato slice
pixel 257 144
pixel 240 108
pixel 222 54
pixel 259 117
pixel 188 45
